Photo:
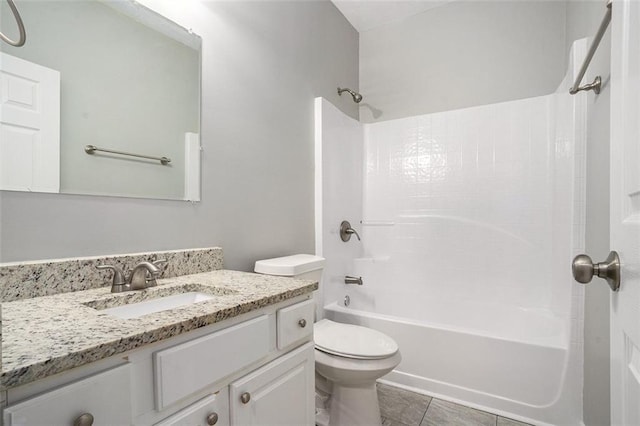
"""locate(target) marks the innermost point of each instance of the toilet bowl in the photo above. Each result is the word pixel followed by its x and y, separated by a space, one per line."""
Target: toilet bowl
pixel 352 358
pixel 348 358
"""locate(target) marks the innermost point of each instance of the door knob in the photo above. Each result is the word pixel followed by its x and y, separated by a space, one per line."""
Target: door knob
pixel 584 269
pixel 245 397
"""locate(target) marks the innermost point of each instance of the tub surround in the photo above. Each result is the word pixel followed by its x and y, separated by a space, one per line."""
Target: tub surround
pixel 25 280
pixel 508 180
pixel 48 335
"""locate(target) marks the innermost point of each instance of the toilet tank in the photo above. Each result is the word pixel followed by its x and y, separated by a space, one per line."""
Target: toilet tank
pixel 303 266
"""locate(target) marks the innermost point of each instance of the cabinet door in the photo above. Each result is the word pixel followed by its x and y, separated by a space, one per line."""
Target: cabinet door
pixel 209 411
pixel 106 397
pixel 280 393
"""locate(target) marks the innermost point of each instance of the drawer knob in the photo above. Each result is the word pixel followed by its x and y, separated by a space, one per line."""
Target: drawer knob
pixel 212 419
pixel 245 397
pixel 85 419
pixel 302 323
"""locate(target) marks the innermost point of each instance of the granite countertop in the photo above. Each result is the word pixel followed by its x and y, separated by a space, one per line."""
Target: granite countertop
pixel 43 336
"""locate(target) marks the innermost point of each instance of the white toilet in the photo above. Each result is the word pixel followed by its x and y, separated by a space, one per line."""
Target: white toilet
pixel 349 358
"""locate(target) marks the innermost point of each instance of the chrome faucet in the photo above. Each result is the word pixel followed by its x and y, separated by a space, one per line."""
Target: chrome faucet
pixel 138 279
pixel 353 280
pixel 143 276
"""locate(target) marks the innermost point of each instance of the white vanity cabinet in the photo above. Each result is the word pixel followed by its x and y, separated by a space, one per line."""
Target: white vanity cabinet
pixel 102 399
pixel 257 368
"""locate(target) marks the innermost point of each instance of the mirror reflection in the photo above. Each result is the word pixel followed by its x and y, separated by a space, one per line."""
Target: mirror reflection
pixel 109 74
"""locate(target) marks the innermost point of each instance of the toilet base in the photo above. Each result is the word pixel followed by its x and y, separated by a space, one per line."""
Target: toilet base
pixel 354 405
pixel 351 383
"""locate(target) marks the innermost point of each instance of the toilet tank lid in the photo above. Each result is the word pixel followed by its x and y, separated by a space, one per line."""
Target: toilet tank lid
pixel 289 266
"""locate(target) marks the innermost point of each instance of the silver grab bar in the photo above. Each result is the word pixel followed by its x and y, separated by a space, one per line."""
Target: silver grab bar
pixel 23 34
pixel 597 82
pixel 90 149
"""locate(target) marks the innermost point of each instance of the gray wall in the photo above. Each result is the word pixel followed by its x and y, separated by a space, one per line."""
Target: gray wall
pixel 460 55
pixel 263 64
pixel 583 19
pixel 124 86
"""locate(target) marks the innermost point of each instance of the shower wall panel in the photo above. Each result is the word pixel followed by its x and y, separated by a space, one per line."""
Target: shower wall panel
pixel 458 205
pixel 338 194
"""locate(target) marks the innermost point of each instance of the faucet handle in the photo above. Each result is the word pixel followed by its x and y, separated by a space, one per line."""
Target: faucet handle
pixel 346 231
pixel 158 263
pixel 119 283
pixel 118 275
pixel 154 275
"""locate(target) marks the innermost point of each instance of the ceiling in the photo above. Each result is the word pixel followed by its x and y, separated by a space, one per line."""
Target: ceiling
pixel 365 15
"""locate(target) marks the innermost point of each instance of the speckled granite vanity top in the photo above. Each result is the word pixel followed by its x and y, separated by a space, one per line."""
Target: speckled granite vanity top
pixel 43 336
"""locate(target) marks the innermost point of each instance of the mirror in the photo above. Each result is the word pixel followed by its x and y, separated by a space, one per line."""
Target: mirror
pixel 109 74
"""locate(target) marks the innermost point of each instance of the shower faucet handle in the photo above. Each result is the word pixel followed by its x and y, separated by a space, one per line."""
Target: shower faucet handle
pixel 584 269
pixel 346 231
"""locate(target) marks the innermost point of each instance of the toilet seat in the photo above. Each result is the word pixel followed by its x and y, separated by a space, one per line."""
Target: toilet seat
pixel 352 341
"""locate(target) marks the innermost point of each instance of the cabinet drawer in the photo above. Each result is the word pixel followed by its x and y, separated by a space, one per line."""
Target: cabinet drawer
pixel 295 323
pixel 189 367
pixel 106 396
pixel 210 410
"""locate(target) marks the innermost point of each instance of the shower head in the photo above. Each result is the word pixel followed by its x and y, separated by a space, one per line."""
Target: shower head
pixel 357 97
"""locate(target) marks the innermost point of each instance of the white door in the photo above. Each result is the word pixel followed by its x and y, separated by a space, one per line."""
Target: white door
pixel 29 126
pixel 625 211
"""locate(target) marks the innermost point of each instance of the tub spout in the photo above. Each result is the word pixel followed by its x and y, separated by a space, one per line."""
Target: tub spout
pixel 353 280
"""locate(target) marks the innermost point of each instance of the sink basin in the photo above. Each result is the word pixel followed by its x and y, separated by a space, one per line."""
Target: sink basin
pixel 136 310
pixel 134 304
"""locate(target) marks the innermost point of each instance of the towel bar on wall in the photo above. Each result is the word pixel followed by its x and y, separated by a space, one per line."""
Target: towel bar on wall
pixel 90 149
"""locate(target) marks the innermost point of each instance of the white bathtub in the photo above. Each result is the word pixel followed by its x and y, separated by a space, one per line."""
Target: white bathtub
pixel 511 363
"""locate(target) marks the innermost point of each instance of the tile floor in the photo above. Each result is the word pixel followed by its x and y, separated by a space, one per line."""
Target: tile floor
pixel 400 407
